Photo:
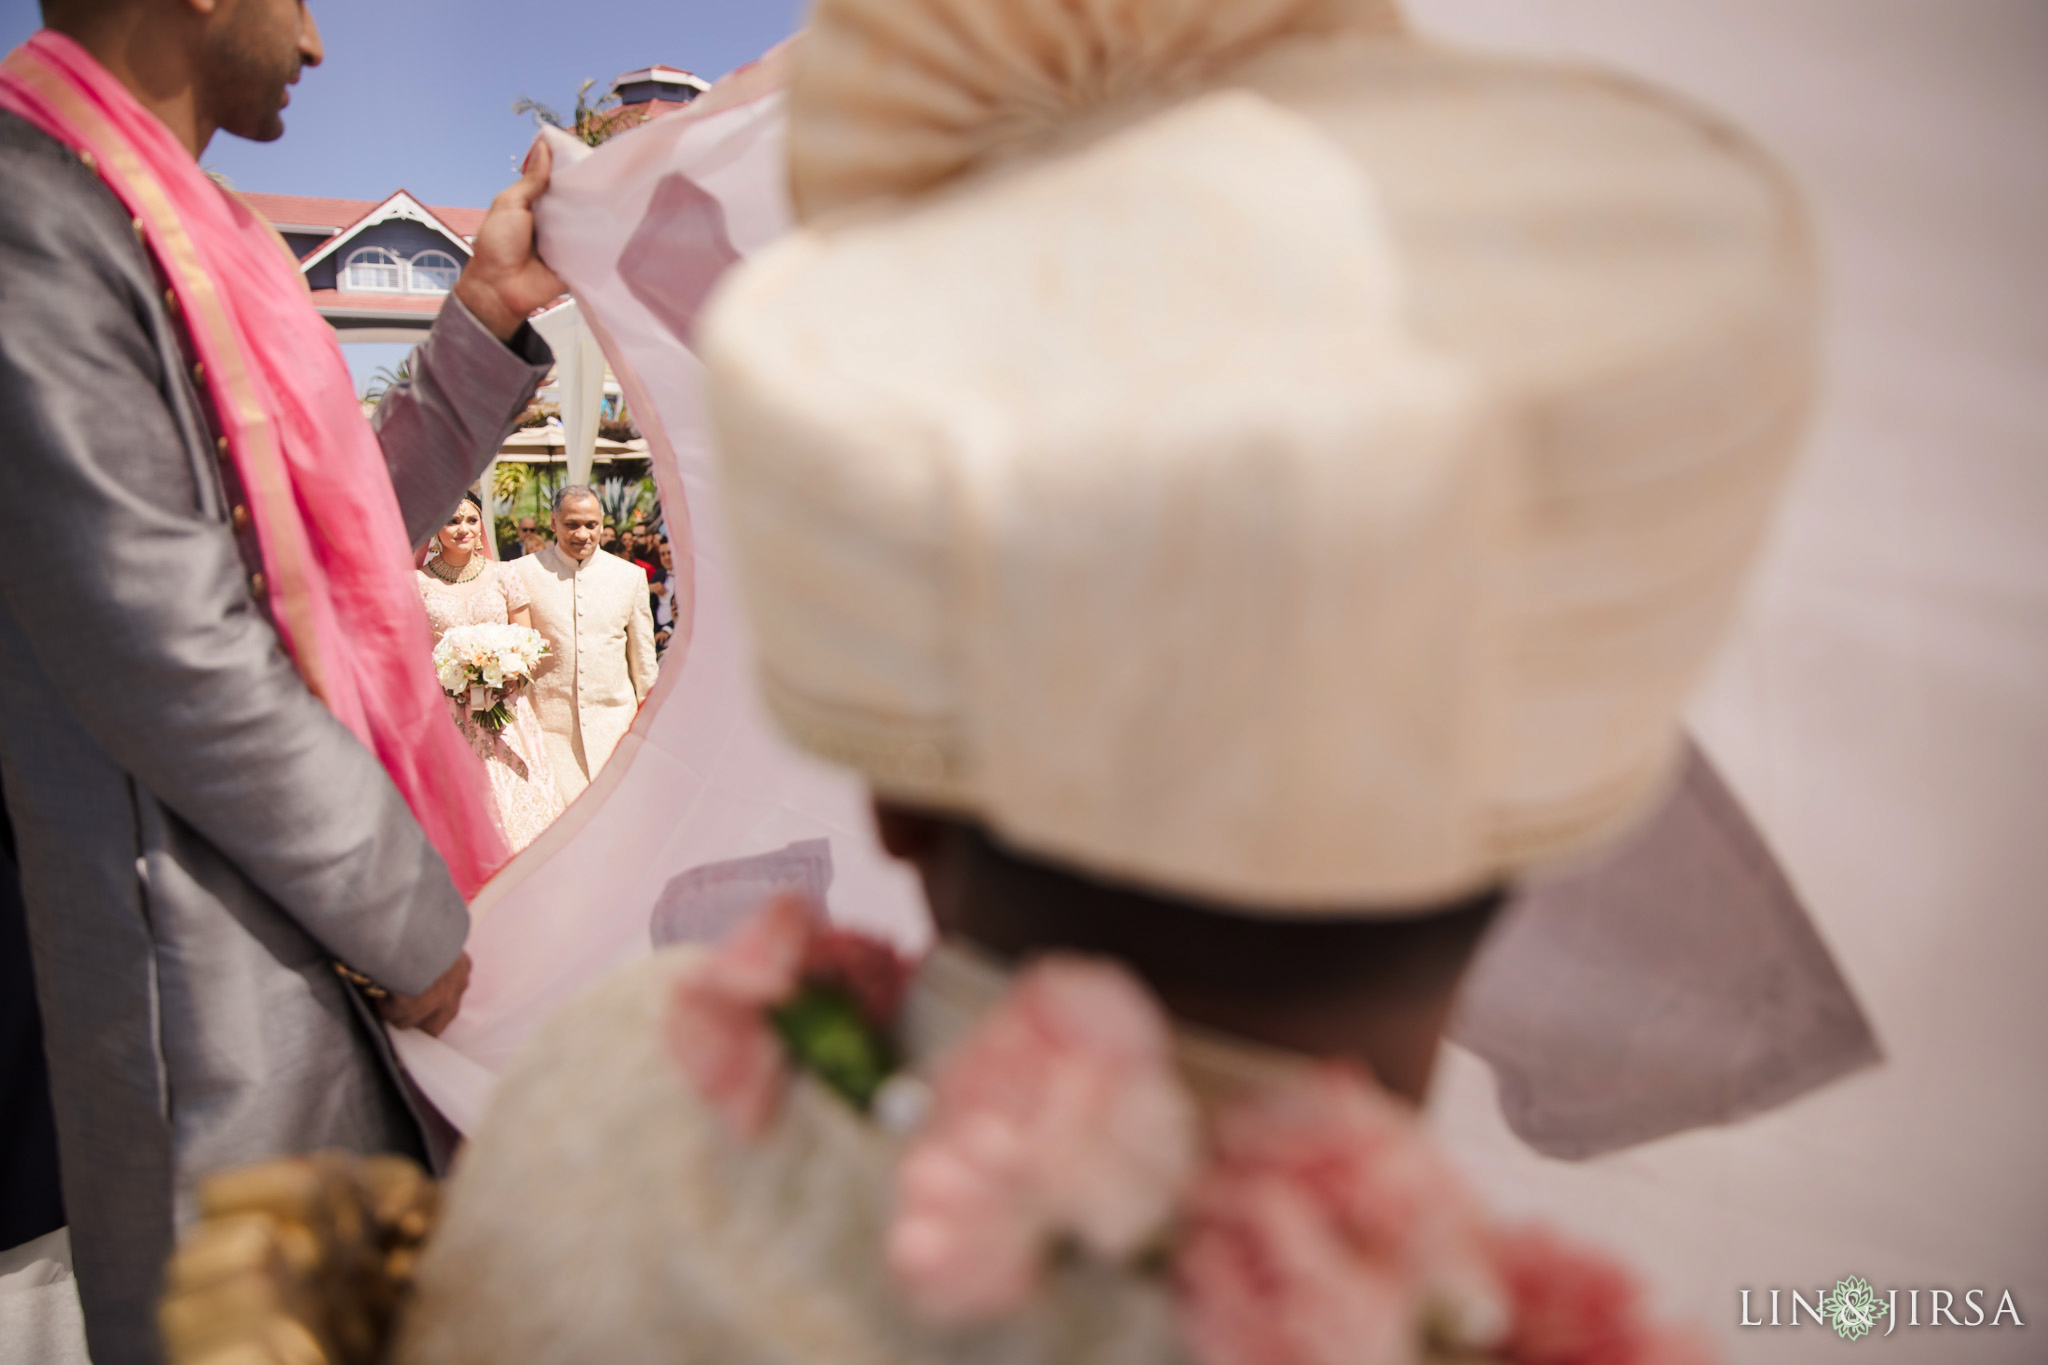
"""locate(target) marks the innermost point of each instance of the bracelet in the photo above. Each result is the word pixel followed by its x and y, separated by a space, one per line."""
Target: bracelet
pixel 357 979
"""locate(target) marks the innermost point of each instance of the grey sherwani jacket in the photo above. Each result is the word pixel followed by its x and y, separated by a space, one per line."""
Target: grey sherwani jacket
pixel 199 838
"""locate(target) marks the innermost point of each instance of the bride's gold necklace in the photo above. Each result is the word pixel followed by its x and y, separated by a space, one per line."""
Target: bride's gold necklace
pixel 462 575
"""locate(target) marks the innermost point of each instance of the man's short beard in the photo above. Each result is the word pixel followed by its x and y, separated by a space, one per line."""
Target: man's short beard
pixel 247 67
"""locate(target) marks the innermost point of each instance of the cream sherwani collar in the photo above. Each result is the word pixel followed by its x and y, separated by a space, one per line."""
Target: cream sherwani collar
pixel 564 562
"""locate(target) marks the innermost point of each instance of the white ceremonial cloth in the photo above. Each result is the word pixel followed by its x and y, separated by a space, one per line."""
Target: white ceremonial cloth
pixel 1881 710
pixel 642 243
pixel 40 1317
pixel 1880 713
pixel 702 777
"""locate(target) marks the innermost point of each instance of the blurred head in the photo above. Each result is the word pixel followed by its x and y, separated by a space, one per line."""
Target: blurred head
pixel 1368 984
pixel 579 521
pixel 463 535
pixel 241 56
pixel 668 559
pixel 526 526
pixel 1457 630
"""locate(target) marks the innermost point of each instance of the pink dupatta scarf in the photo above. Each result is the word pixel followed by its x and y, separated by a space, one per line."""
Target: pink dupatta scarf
pixel 335 557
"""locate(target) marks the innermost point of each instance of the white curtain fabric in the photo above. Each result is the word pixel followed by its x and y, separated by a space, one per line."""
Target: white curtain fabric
pixel 1880 713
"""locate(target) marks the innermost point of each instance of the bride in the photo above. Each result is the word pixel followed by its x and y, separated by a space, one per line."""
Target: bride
pixel 464 587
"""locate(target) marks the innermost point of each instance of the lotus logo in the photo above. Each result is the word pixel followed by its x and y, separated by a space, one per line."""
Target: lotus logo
pixel 1852 1310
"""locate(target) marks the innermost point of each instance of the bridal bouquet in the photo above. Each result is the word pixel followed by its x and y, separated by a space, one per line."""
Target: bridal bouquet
pixel 483 663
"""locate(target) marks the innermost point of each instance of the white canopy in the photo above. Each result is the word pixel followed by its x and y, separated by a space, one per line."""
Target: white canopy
pixel 580 376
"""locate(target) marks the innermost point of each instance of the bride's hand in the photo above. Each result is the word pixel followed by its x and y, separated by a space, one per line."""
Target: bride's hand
pixel 432 1009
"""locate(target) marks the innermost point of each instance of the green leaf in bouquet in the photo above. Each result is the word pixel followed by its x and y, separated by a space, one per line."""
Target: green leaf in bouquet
pixel 827 1036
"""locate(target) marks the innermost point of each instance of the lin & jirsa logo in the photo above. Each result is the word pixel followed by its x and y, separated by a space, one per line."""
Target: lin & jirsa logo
pixel 1853 1309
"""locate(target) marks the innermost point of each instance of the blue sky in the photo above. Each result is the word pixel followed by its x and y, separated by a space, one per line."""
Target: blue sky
pixel 418 95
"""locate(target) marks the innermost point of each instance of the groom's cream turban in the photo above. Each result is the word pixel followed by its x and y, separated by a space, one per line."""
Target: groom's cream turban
pixel 1244 451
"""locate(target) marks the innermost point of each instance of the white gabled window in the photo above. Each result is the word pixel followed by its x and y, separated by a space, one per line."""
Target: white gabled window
pixel 434 272
pixel 374 268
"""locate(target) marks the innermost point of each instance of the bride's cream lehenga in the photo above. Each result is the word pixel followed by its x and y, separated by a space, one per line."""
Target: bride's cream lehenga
pixel 522 784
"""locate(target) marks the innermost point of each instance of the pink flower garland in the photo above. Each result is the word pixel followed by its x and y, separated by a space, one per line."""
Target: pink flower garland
pixel 1572 1306
pixel 1326 1230
pixel 1319 1227
pixel 1059 1119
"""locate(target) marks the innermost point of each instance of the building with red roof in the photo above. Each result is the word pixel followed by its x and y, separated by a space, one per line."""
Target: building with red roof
pixel 379 269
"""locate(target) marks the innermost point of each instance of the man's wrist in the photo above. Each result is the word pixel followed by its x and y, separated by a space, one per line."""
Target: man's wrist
pixel 488 307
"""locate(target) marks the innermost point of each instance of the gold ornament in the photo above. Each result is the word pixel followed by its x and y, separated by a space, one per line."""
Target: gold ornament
pixel 302 1261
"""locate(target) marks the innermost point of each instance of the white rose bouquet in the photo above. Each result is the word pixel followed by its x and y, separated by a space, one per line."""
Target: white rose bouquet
pixel 482 664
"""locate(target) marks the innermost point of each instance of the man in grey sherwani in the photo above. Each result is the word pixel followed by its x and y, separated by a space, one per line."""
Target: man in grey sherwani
pixel 201 840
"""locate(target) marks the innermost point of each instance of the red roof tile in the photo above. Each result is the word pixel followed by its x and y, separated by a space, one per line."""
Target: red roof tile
pixel 302 211
pixel 336 214
pixel 465 221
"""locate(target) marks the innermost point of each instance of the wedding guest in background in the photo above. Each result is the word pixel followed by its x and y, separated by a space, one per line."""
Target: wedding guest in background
pixel 637 551
pixel 665 599
pixel 592 607
pixel 220 782
pixel 461 587
pixel 522 530
pixel 658 562
pixel 532 540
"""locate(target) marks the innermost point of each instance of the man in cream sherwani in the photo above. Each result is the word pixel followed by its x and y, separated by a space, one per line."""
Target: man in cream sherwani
pixel 592 607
